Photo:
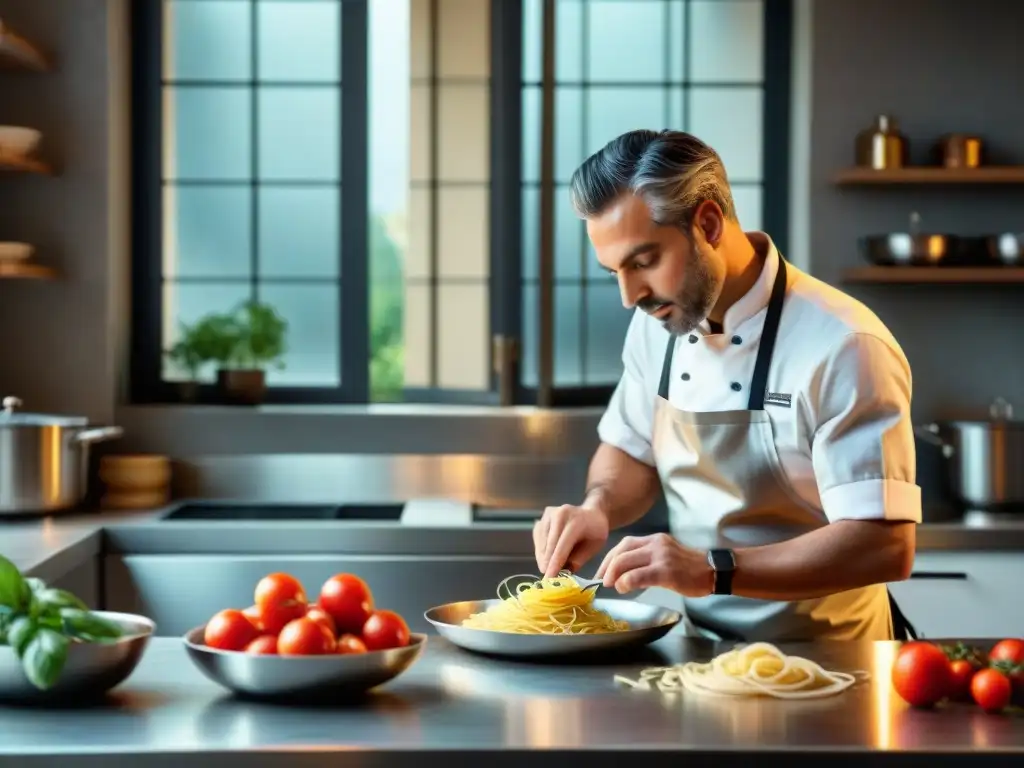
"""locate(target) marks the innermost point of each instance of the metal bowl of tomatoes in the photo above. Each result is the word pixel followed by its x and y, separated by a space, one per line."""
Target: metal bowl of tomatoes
pixel 286 645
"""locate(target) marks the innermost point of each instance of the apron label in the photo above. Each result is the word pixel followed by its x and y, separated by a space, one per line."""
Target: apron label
pixel 777 398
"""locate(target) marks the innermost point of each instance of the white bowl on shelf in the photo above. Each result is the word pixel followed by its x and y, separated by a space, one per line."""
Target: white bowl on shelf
pixel 15 252
pixel 18 141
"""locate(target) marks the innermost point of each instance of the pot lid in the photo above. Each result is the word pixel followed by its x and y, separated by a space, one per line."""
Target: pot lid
pixel 10 416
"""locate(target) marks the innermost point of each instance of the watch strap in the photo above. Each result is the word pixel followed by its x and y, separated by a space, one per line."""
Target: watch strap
pixel 723 563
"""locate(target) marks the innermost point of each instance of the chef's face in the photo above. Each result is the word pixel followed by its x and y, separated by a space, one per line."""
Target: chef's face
pixel 672 275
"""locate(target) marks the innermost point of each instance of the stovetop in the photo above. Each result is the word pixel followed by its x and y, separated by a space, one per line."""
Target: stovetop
pixel 193 511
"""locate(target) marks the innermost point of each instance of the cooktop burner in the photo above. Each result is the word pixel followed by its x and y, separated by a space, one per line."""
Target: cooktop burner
pixel 192 511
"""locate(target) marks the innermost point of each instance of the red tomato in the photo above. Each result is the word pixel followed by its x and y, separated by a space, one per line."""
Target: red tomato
pixel 347 600
pixel 350 644
pixel 229 630
pixel 252 613
pixel 321 617
pixel 962 673
pixel 921 674
pixel 304 637
pixel 273 616
pixel 276 588
pixel 264 645
pixel 385 629
pixel 991 689
pixel 1010 651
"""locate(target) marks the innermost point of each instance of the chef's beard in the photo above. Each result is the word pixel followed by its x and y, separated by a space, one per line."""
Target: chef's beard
pixel 695 299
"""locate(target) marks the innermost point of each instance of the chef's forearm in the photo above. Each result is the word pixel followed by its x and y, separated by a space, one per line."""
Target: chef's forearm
pixel 847 554
pixel 619 486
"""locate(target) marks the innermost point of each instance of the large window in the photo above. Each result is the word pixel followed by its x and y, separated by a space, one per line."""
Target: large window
pixel 372 170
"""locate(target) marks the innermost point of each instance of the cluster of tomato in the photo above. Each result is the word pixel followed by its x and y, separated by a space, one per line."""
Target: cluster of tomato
pixel 282 621
pixel 925 674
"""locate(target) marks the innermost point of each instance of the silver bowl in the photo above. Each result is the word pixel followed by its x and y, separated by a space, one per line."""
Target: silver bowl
pixel 315 677
pixel 91 669
pixel 647 624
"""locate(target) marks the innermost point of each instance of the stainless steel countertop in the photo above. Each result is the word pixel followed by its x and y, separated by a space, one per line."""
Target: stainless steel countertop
pixel 51 546
pixel 452 700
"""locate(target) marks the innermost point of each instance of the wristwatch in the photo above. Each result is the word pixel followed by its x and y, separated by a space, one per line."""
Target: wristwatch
pixel 723 563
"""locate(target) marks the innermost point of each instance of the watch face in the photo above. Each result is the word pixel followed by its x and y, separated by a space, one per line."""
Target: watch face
pixel 722 559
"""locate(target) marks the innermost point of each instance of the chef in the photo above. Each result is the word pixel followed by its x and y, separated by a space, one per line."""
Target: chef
pixel 771 409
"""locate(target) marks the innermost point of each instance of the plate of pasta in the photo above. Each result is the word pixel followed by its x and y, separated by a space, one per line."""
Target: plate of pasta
pixel 553 616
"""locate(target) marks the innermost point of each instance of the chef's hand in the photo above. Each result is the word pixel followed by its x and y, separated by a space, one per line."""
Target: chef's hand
pixel 566 537
pixel 657 561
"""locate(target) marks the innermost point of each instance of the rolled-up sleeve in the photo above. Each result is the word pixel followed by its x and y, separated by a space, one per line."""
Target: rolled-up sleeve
pixel 627 422
pixel 863 444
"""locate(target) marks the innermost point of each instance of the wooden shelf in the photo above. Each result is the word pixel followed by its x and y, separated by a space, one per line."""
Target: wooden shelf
pixel 1006 174
pixel 17 53
pixel 12 164
pixel 19 270
pixel 934 275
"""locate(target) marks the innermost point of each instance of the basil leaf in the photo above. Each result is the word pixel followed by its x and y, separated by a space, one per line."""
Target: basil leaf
pixel 34 584
pixel 20 634
pixel 44 658
pixel 86 625
pixel 52 600
pixel 6 619
pixel 14 591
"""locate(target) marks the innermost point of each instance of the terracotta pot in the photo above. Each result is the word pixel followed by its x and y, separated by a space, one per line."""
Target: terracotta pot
pixel 242 386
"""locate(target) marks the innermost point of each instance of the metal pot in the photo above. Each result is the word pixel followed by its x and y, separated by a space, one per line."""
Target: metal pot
pixel 984 459
pixel 44 459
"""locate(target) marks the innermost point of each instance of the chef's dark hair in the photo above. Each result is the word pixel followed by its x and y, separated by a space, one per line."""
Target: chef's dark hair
pixel 672 171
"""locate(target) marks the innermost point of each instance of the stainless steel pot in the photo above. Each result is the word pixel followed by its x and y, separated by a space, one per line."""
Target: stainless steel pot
pixel 985 459
pixel 44 459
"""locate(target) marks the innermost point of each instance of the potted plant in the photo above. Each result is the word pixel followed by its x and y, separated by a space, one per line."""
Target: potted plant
pixel 210 340
pixel 257 334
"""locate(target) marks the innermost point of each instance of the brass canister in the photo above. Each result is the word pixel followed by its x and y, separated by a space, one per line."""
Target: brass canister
pixel 959 150
pixel 881 146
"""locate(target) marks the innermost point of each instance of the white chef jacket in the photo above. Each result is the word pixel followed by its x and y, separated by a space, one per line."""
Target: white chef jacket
pixel 845 441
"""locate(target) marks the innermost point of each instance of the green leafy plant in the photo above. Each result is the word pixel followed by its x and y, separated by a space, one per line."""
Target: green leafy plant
pixel 261 336
pixel 39 623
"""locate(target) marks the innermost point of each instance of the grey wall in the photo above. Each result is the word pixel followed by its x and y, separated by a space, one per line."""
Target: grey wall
pixel 939 66
pixel 62 343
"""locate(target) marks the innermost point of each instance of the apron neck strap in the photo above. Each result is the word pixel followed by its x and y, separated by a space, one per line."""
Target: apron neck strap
pixel 759 382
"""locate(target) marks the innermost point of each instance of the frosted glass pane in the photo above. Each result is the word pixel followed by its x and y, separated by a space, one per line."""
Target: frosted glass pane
pixel 749 205
pixel 569 235
pixel 314 325
pixel 464 152
pixel 726 41
pixel 208 41
pixel 299 232
pixel 567 335
pixel 464 39
pixel 186 303
pixel 207 231
pixel 210 135
pixel 464 249
pixel 463 329
pixel 300 133
pixel 569 40
pixel 533 39
pixel 627 41
pixel 607 321
pixel 616 110
pixel 418 344
pixel 737 139
pixel 299 41
pixel 568 132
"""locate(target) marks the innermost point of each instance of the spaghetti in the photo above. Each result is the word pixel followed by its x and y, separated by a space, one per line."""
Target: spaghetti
pixel 547 606
pixel 759 669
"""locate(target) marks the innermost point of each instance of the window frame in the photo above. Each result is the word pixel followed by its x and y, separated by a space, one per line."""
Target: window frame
pixel 146 383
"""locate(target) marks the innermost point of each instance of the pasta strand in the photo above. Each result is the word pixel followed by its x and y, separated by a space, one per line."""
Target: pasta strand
pixel 546 606
pixel 759 669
